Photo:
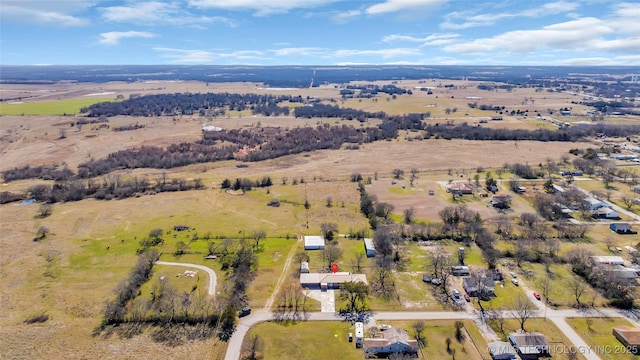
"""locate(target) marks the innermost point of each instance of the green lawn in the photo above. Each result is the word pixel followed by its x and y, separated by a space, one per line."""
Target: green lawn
pixel 597 332
pixel 57 107
pixel 316 340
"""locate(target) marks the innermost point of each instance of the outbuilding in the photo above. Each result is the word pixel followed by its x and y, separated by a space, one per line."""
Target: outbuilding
pixel 621 228
pixel 313 242
pixel 304 267
pixel 369 247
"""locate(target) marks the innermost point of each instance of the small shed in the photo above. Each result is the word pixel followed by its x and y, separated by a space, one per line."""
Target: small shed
pixel 313 242
pixel 621 228
pixel 304 267
pixel 369 247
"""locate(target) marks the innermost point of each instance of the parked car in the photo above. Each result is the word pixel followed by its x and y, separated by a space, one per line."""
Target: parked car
pixel 515 282
pixel 536 295
pixel 456 294
pixel 384 327
pixel 436 281
pixel 244 312
pixel 467 297
pixel 513 275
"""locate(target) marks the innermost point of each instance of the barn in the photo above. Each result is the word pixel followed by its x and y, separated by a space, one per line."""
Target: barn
pixel 313 242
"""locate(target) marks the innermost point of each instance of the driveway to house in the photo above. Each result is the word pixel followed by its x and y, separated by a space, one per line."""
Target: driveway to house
pixel 212 274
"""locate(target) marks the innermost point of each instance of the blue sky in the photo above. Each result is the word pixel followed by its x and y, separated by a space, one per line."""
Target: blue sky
pixel 320 32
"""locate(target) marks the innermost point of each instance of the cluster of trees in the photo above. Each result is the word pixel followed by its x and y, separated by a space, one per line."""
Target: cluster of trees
pixel 189 104
pixel 377 212
pixel 44 172
pixel 240 262
pixel 173 312
pixel 111 187
pixel 246 184
pixel 620 294
pixel 174 155
pixel 129 127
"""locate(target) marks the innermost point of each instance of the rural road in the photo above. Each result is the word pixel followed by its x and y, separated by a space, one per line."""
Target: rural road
pixel 212 274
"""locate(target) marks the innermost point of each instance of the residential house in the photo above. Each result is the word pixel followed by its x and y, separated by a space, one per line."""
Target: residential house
pixel 313 242
pixel 629 337
pixel 530 345
pixel 594 204
pixel 459 188
pixel 605 213
pixel 612 267
pixel 369 247
pixel 479 286
pixel 501 350
pixel 394 341
pixel 325 281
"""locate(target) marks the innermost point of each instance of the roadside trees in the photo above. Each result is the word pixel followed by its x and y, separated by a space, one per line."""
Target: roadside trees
pixel 522 310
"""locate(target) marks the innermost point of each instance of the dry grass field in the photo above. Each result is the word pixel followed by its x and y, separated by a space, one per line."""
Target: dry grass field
pixel 92 243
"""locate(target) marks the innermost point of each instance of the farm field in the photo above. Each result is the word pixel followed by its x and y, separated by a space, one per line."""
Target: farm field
pixel 91 245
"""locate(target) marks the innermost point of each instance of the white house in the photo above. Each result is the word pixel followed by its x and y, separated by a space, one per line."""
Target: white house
pixel 313 242
pixel 330 280
pixel 394 341
pixel 304 267
pixel 605 212
pixel 594 204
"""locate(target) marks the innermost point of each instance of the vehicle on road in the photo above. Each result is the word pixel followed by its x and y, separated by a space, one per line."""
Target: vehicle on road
pixel 536 295
pixel 513 275
pixel 515 282
pixel 244 312
pixel 467 297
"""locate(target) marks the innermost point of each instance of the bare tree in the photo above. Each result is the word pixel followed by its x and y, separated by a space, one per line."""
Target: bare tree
pixel 398 173
pixel 418 332
pixel 628 201
pixel 356 263
pixel 45 210
pixel 328 230
pixel 331 254
pixel 409 215
pixel 258 235
pixel 522 310
pixel 578 288
pixel 42 233
pixel 253 348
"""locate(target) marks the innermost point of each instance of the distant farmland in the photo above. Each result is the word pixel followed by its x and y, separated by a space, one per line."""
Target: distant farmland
pixel 58 107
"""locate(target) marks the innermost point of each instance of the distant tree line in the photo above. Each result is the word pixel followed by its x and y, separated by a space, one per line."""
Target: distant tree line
pixel 111 187
pixel 246 184
pixel 190 104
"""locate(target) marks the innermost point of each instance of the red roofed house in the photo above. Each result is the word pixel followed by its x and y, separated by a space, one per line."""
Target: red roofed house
pixel 629 337
pixel 459 188
pixel 394 341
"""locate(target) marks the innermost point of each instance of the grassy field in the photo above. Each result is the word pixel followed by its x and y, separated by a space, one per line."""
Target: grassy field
pixel 317 340
pixel 597 332
pixel 57 107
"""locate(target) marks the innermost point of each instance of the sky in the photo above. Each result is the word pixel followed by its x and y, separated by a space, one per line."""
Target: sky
pixel 320 32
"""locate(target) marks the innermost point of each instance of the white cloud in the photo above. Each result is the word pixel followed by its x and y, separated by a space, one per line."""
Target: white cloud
pixel 189 56
pixel 585 34
pixel 468 19
pixel 389 6
pixel 300 51
pixel 345 16
pixel 58 13
pixel 384 53
pixel 261 7
pixel 158 13
pixel 431 40
pixel 114 37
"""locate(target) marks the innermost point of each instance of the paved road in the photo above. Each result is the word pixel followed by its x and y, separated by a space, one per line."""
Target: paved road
pixel 212 274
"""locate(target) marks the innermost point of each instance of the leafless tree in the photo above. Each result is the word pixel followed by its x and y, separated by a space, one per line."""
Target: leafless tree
pixel 418 331
pixel 398 173
pixel 578 288
pixel 409 215
pixel 42 233
pixel 328 230
pixel 253 348
pixel 331 253
pixel 258 235
pixel 45 210
pixel 356 263
pixel 522 309
pixel 628 201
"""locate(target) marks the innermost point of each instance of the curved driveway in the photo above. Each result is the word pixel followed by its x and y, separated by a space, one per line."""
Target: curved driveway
pixel 212 274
